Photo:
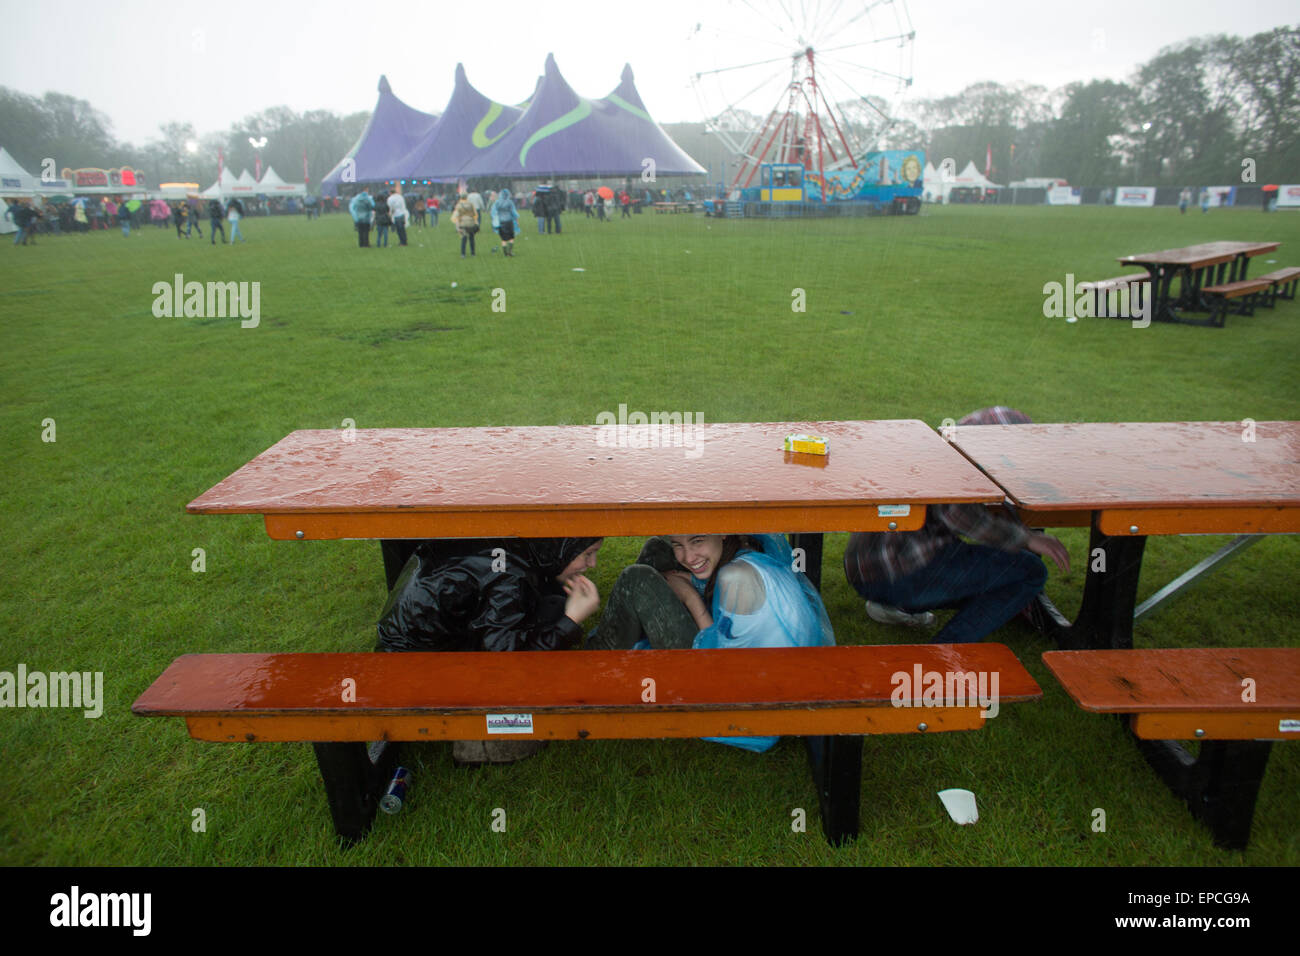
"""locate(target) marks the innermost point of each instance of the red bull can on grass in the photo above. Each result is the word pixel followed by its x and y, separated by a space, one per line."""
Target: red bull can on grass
pixel 392 800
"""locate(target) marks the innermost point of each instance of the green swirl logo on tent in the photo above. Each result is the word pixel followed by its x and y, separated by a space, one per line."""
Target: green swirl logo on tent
pixel 575 115
pixel 480 137
pixel 624 104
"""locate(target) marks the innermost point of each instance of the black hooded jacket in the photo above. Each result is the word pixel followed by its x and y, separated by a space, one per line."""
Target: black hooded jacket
pixel 482 595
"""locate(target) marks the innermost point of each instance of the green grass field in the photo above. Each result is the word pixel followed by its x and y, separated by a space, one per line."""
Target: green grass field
pixel 923 317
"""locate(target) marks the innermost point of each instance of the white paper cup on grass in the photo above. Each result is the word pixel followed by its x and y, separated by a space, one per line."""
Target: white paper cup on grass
pixel 960 805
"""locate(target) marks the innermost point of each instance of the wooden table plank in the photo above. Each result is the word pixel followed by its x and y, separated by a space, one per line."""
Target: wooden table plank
pixel 597 480
pixel 1201 255
pixel 1194 680
pixel 572 681
pixel 1164 477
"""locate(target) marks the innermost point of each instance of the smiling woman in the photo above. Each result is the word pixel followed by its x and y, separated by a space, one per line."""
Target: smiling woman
pixel 714 591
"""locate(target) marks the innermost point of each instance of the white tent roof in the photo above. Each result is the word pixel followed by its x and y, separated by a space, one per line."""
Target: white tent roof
pixel 970 176
pixel 14 180
pixel 222 187
pixel 273 185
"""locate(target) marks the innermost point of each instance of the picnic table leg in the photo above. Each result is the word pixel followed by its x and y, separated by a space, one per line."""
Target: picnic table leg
pixel 1105 618
pixel 1220 786
pixel 812 548
pixel 355 776
pixel 836 763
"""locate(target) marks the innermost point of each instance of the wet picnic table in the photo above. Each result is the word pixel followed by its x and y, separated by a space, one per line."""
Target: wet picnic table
pixel 1198 266
pixel 402 485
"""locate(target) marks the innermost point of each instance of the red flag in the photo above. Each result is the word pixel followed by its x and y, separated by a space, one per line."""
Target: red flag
pixel 988 162
pixel 221 162
pixel 257 168
pixel 305 177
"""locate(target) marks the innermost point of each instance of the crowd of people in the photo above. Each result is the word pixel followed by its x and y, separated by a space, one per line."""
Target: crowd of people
pixel 391 211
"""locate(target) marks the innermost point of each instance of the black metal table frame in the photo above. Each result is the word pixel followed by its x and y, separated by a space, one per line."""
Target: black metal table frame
pixel 1193 279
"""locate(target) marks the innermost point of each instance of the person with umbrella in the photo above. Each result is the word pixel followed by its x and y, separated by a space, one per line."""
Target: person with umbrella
pixel 1269 193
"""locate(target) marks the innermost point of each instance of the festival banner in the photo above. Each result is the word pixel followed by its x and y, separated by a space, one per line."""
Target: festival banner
pixel 1135 196
pixel 1288 195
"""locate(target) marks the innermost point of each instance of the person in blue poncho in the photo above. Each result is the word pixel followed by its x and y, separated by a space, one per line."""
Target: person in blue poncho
pixel 714 591
pixel 505 221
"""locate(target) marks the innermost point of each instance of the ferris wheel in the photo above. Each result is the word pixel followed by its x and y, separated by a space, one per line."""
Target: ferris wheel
pixel 812 82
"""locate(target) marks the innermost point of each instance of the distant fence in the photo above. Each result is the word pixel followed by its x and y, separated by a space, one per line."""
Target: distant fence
pixel 1248 196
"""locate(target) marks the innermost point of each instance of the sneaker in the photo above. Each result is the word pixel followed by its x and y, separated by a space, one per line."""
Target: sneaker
pixel 885 614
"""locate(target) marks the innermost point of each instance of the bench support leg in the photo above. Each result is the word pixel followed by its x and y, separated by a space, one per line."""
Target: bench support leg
pixel 1220 786
pixel 811 542
pixel 1106 616
pixel 836 763
pixel 355 777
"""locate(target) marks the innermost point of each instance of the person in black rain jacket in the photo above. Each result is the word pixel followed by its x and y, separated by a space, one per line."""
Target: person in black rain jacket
pixel 508 594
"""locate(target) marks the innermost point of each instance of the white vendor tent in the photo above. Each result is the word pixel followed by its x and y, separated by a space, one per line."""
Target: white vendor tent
pixel 940 186
pixel 273 185
pixel 245 185
pixel 222 187
pixel 14 180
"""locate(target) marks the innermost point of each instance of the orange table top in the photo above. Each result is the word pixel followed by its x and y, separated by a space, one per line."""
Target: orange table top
pixel 311 684
pixel 1200 255
pixel 1203 680
pixel 1163 477
pixel 597 480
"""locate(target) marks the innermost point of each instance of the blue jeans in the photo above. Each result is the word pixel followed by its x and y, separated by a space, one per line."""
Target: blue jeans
pixel 987 586
pixel 381 236
pixel 234 232
pixel 20 236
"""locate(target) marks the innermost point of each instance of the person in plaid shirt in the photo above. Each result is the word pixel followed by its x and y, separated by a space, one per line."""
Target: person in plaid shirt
pixel 905 576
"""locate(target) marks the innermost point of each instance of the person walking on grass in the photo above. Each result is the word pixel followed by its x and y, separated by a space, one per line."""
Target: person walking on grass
pixel 235 212
pixel 505 221
pixel 192 217
pixel 215 215
pixel 465 218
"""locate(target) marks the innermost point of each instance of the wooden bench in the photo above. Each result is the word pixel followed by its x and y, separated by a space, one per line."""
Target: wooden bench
pixel 831 695
pixel 1283 286
pixel 1102 287
pixel 1217 297
pixel 1235 701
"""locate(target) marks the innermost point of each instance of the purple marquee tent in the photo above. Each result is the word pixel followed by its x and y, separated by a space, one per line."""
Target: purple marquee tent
pixel 557 133
pixel 392 132
pixel 562 134
pixel 470 123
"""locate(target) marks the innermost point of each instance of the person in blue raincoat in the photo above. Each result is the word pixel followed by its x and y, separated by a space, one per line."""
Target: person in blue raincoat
pixel 362 208
pixel 714 591
pixel 505 221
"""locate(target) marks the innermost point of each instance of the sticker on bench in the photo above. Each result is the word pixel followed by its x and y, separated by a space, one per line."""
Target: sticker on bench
pixel 893 511
pixel 510 723
pixel 1288 726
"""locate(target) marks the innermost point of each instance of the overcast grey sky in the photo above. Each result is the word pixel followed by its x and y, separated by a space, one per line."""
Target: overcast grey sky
pixel 214 63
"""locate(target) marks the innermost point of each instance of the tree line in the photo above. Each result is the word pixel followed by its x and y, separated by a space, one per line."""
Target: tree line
pixel 1192 115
